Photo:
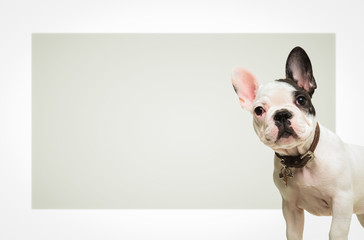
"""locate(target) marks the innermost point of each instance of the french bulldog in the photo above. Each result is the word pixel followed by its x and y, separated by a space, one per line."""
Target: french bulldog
pixel 314 170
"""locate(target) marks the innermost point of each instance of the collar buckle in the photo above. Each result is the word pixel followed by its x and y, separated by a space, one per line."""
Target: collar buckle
pixel 310 155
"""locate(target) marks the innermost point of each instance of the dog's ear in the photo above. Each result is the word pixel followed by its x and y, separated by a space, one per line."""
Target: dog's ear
pixel 298 68
pixel 245 86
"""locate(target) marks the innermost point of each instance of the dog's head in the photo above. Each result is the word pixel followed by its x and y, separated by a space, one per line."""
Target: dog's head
pixel 283 114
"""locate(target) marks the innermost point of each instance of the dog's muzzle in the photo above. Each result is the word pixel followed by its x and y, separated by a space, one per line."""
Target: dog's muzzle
pixel 282 121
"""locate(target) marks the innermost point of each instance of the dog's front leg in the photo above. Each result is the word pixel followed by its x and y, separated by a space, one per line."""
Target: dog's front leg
pixel 342 211
pixel 294 217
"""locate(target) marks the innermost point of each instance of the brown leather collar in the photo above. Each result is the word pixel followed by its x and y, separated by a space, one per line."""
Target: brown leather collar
pixel 302 160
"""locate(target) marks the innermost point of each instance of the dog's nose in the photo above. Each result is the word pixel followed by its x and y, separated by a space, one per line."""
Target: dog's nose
pixel 282 116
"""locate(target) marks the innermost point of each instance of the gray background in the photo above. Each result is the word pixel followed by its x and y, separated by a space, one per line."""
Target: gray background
pixel 151 120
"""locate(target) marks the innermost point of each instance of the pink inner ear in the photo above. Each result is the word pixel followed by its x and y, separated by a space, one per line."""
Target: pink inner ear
pixel 300 77
pixel 245 85
pixel 304 84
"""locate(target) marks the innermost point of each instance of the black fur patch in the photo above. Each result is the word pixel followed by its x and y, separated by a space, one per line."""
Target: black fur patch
pixel 308 107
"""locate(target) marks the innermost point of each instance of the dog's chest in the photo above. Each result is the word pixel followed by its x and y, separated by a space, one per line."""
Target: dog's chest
pixel 307 189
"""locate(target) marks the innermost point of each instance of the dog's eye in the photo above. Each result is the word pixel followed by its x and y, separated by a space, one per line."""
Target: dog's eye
pixel 259 111
pixel 301 100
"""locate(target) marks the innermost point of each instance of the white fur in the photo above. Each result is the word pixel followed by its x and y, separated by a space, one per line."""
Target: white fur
pixel 330 185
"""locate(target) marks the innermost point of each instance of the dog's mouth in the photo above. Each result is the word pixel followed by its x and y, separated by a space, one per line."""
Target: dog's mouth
pixel 286 132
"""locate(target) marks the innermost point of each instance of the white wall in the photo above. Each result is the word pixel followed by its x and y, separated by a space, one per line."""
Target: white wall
pixel 142 121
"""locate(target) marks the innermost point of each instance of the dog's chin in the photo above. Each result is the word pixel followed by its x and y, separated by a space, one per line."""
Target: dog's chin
pixel 285 140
